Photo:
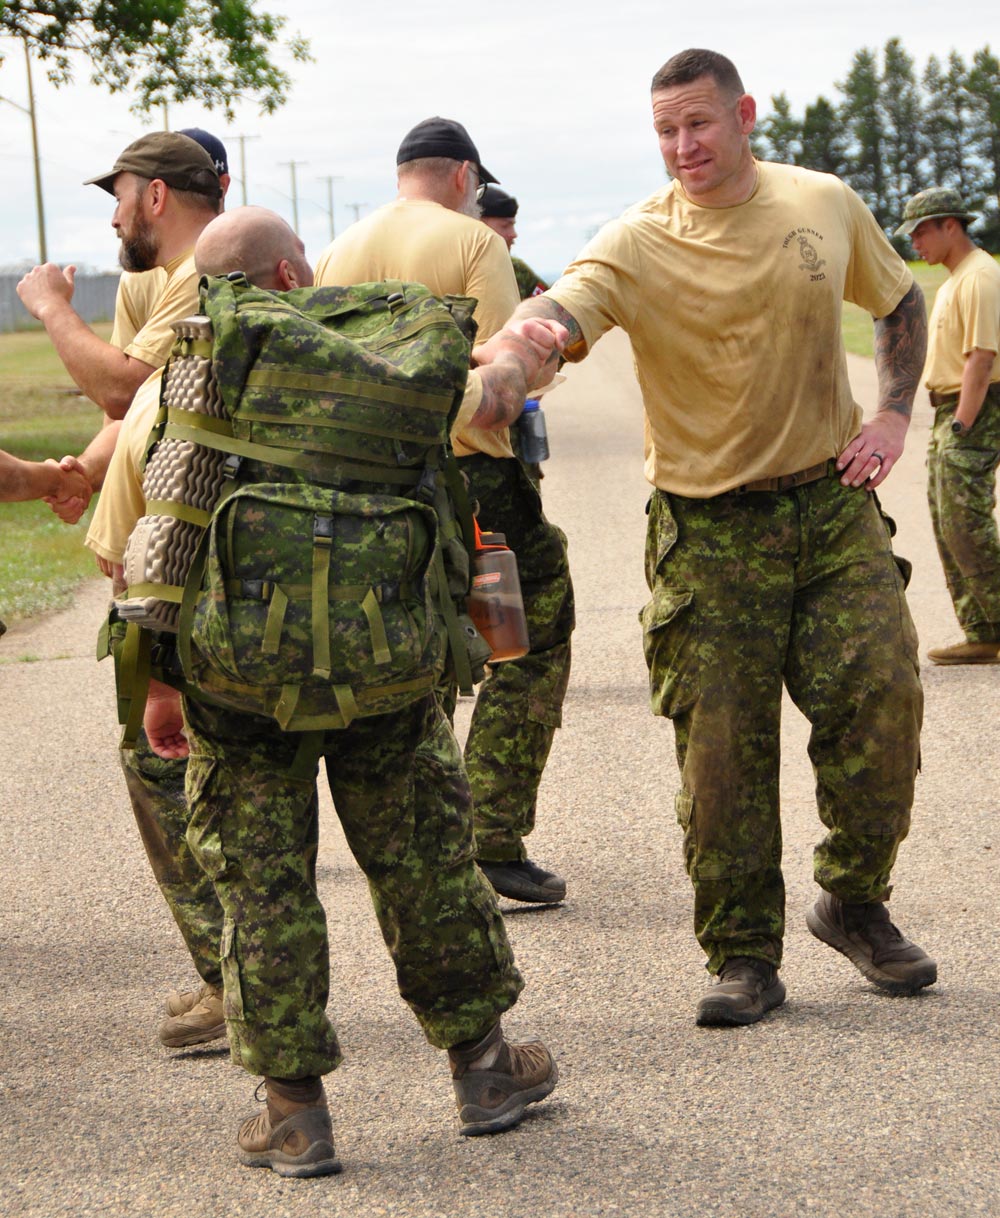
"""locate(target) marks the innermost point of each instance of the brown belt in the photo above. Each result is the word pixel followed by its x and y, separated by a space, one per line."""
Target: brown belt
pixel 784 482
pixel 939 399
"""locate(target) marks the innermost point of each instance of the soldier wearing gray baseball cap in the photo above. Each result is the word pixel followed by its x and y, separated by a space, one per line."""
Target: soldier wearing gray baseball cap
pixel 933 204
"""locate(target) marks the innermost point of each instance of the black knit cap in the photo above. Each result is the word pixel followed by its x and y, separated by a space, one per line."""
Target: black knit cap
pixel 498 204
pixel 441 137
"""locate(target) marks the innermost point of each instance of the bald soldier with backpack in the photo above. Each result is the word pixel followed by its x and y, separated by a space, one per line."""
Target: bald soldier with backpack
pixel 396 776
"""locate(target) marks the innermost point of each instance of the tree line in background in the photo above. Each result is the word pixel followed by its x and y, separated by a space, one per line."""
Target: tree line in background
pixel 891 134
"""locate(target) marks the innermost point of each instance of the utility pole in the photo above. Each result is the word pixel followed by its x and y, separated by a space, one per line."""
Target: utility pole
pixel 329 180
pixel 356 208
pixel 29 110
pixel 295 191
pixel 243 162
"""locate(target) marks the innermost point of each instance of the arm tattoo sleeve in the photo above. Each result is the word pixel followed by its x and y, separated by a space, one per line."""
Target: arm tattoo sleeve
pixel 545 306
pixel 900 347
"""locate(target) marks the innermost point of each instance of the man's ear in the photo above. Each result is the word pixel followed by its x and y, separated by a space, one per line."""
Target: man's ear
pixel 156 194
pixel 286 276
pixel 746 108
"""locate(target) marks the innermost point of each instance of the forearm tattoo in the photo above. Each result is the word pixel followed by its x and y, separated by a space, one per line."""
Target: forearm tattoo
pixel 900 347
pixel 545 306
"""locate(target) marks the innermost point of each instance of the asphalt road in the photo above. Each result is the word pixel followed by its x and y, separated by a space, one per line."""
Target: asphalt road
pixel 845 1102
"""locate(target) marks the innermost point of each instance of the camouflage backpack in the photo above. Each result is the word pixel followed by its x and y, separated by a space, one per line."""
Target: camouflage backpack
pixel 305 527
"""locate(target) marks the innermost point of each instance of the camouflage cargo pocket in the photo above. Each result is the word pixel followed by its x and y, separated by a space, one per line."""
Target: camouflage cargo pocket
pixel 668 643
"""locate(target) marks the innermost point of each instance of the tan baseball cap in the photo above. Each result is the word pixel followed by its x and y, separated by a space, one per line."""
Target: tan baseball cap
pixel 176 159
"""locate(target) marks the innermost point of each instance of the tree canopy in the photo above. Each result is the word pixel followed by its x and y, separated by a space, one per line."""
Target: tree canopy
pixel 165 50
pixel 892 134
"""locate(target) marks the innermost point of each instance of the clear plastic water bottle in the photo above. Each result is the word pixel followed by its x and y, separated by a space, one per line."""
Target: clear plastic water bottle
pixel 534 437
pixel 495 604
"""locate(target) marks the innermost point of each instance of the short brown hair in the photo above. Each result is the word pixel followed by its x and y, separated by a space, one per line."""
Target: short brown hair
pixel 686 66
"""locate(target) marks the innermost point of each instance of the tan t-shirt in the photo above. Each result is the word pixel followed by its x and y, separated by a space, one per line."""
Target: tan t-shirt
pixel 138 292
pixel 178 298
pixel 418 241
pixel 122 502
pixel 734 317
pixel 966 315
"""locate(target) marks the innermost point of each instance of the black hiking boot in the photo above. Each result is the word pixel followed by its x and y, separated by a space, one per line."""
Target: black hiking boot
pixel 524 881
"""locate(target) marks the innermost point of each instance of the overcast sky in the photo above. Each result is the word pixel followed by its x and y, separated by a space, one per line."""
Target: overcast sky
pixel 556 97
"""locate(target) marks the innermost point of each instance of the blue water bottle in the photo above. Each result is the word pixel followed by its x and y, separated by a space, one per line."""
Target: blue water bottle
pixel 531 429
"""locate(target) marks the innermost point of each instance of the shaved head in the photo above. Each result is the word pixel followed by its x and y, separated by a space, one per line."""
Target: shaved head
pixel 257 242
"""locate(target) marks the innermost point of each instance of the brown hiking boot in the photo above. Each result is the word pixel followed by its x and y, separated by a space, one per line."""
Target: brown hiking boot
pixel 292 1138
pixel 965 653
pixel 747 988
pixel 179 1002
pixel 864 934
pixel 195 1017
pixel 495 1081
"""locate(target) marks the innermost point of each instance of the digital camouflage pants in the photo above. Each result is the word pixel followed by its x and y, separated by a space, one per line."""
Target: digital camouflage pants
pixel 961 490
pixel 156 790
pixel 519 706
pixel 750 593
pixel 403 799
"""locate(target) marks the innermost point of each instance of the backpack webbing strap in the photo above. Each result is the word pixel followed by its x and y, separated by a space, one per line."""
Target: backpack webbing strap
pixel 192 590
pixel 316 465
pixel 263 590
pixel 322 545
pixel 460 500
pixel 456 637
pixel 163 592
pixel 180 511
pixel 132 673
pixel 380 641
pixel 288 699
pixel 307 756
pixel 275 620
pixel 336 385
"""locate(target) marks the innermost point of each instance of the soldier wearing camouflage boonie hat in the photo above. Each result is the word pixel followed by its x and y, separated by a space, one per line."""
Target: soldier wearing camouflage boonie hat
pixel 962 375
pixel 935 203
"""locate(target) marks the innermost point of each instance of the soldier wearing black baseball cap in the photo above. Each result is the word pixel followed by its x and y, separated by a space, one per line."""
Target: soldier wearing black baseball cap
pixel 432 233
pixel 442 137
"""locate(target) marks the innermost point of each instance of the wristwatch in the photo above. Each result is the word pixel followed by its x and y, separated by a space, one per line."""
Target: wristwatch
pixel 958 427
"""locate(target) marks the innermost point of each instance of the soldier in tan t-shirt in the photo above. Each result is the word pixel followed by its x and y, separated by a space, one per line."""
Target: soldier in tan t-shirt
pixel 432 234
pixel 167 189
pixel 768 562
pixel 962 374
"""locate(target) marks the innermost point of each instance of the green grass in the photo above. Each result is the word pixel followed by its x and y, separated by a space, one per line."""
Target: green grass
pixel 859 336
pixel 41 559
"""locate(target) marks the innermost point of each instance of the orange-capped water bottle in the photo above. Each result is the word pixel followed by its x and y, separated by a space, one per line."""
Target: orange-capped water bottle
pixel 495 603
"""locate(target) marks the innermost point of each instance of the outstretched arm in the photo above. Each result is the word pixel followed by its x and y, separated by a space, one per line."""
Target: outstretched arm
pixel 22 480
pixel 900 347
pixel 106 375
pixel 520 357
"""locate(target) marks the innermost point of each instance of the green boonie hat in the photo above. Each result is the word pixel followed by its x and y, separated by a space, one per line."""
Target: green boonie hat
pixel 176 159
pixel 933 204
